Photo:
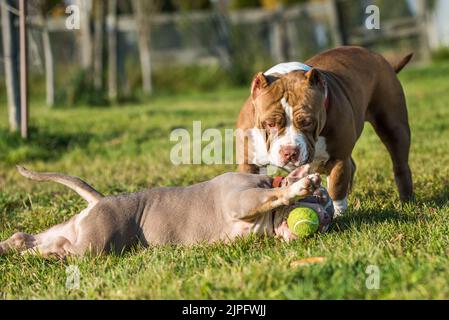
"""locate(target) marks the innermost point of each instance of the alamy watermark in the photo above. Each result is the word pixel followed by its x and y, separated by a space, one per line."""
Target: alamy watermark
pixel 373 19
pixel 73 275
pixel 213 146
pixel 73 21
pixel 372 281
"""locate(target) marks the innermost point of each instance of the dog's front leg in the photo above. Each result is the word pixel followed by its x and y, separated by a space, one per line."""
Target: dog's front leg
pixel 255 201
pixel 339 182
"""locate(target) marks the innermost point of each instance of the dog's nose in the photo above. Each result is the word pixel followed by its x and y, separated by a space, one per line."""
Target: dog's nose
pixel 289 153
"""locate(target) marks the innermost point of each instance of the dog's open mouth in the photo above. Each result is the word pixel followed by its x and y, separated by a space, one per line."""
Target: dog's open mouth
pixel 284 232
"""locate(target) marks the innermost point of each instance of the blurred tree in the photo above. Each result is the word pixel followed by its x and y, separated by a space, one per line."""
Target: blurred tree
pixel 168 6
pixel 85 34
pixel 112 51
pixel 99 24
pixel 391 9
pixel 190 5
pixel 43 9
pixel 222 30
pixel 144 11
pixel 353 11
pixel 273 4
pixel 239 4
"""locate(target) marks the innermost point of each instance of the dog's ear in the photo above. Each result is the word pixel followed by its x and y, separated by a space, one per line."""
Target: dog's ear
pixel 259 82
pixel 313 76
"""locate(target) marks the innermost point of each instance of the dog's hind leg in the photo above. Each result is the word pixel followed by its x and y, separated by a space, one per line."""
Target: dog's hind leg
pixel 397 140
pixel 54 248
pixel 17 242
pixel 391 125
pixel 60 240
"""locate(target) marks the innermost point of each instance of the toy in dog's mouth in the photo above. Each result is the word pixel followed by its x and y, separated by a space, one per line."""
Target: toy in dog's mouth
pixel 320 201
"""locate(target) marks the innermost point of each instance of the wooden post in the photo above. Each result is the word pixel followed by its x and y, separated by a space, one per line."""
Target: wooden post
pixel 99 11
pixel 23 69
pixel 49 67
pixel 334 22
pixel 112 50
pixel 10 55
pixel 143 12
pixel 85 36
pixel 421 12
pixel 279 36
pixel 224 48
pixel 48 55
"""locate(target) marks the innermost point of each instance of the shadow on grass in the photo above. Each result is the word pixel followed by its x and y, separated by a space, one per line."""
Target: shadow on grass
pixel 355 219
pixel 371 216
pixel 438 198
pixel 41 145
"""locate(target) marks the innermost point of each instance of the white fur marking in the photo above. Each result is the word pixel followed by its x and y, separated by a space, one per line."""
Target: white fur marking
pixel 321 156
pixel 321 150
pixel 292 137
pixel 340 206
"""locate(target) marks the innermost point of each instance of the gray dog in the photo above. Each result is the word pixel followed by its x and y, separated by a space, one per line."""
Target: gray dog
pixel 228 206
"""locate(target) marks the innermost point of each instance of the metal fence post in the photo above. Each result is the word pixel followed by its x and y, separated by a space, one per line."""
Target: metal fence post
pixel 422 16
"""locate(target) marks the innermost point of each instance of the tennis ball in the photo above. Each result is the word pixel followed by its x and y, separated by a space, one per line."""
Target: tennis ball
pixel 303 222
pixel 275 171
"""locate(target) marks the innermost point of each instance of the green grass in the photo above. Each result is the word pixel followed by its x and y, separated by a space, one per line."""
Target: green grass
pixel 127 148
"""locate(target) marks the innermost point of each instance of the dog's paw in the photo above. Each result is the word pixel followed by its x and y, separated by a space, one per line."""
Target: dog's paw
pixel 298 174
pixel 340 206
pixel 315 181
pixel 306 186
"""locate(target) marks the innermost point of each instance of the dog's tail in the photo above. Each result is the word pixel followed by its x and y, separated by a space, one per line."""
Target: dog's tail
pixel 79 186
pixel 401 64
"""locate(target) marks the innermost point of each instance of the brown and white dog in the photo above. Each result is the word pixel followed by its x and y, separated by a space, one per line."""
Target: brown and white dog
pixel 314 113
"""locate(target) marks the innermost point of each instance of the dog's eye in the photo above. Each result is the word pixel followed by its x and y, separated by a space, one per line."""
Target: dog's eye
pixel 270 124
pixel 305 123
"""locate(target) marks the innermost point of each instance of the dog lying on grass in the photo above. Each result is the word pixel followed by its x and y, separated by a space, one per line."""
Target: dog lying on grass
pixel 226 207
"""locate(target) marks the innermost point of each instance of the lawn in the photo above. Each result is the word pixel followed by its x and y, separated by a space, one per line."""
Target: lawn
pixel 127 148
